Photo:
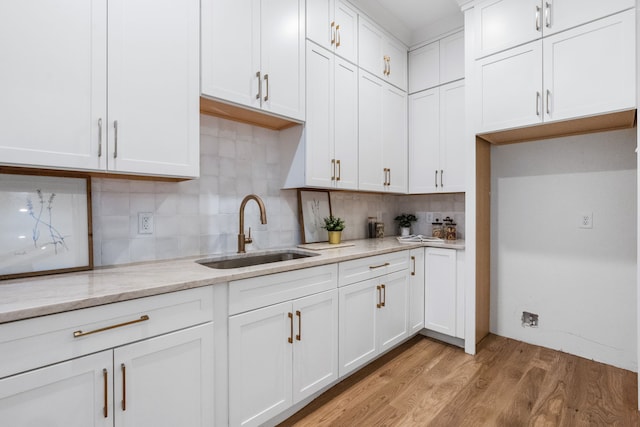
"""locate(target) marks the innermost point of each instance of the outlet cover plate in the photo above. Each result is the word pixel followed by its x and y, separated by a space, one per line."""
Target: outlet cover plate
pixel 585 219
pixel 145 222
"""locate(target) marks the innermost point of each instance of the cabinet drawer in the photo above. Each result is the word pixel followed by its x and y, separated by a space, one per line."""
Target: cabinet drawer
pixel 367 268
pixel 256 292
pixel 40 341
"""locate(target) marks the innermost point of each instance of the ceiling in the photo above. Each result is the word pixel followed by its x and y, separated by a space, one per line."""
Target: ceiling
pixel 414 21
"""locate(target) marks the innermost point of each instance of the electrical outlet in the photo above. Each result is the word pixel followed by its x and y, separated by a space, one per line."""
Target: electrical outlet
pixel 430 217
pixel 529 319
pixel 145 223
pixel 585 220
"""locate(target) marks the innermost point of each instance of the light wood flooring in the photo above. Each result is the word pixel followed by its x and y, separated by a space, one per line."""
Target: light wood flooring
pixel 508 383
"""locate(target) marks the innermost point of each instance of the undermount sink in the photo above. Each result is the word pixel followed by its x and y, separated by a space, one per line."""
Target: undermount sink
pixel 251 259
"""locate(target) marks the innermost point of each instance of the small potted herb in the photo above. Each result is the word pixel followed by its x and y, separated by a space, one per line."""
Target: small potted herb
pixel 404 221
pixel 334 226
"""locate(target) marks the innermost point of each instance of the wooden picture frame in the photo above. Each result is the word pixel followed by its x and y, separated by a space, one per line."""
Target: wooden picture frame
pixel 313 207
pixel 46 223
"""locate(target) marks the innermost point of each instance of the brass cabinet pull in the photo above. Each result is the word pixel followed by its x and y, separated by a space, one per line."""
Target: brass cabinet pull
pixel 337 35
pixel 333 32
pixel 290 339
pixel 547 14
pixel 115 139
pixel 537 18
pixel 548 96
pixel 333 169
pixel 299 336
pixel 266 81
pixel 105 411
pixel 413 259
pixel 435 180
pixel 339 170
pixel 384 295
pixel 373 267
pixel 259 94
pixel 441 176
pixel 389 180
pixel 142 318
pixel 537 103
pixel 379 303
pixel 100 137
pixel 124 386
pixel 389 63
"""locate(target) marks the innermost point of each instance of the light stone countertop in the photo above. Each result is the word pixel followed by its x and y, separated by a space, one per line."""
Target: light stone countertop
pixel 39 296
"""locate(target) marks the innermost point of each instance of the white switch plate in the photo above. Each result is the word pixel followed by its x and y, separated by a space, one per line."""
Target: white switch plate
pixel 145 222
pixel 585 220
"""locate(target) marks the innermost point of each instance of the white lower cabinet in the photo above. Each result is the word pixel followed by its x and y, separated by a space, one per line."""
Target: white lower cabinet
pixel 279 355
pixel 373 318
pixel 416 290
pixel 149 369
pixel 444 291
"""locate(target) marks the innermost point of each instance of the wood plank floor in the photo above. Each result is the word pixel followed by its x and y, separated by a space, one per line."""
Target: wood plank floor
pixel 508 383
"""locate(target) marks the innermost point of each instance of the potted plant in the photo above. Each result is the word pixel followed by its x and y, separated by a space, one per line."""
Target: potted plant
pixel 334 226
pixel 404 221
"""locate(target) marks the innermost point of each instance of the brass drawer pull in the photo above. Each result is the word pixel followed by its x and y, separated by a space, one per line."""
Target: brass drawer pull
pixel 105 411
pixel 384 295
pixel 373 267
pixel 124 386
pixel 379 303
pixel 78 334
pixel 290 339
pixel 299 335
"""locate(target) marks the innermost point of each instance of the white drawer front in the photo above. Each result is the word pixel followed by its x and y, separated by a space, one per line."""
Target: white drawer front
pixel 256 292
pixel 31 343
pixel 375 266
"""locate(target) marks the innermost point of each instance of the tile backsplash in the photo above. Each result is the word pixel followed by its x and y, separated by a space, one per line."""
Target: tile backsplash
pixel 200 217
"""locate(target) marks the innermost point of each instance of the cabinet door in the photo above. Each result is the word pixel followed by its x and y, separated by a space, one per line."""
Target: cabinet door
pixel 69 394
pixel 166 381
pixel 346 35
pixel 346 124
pixel 154 87
pixel 260 364
pixel 282 57
pixel 560 15
pixel 319 127
pixel 315 349
pixel 452 58
pixel 502 24
pixel 510 88
pixel 393 315
pixel 370 136
pixel 452 132
pixel 424 67
pixel 358 325
pixel 440 290
pixel 370 48
pixel 319 19
pixel 231 50
pixel 396 63
pixel 416 291
pixel 591 69
pixel 424 141
pixel 394 138
pixel 53 83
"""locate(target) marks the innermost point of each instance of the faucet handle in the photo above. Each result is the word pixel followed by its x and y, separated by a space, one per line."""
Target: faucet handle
pixel 248 239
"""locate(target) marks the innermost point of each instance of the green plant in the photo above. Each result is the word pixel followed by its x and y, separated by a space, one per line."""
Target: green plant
pixel 405 220
pixel 333 223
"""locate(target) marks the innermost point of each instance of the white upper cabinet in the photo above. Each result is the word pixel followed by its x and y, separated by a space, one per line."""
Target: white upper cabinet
pixel 331 128
pixel 253 54
pixel 333 24
pixel 55 94
pixel 502 24
pixel 424 67
pixel 584 71
pixel 381 54
pixel 382 153
pixel 154 69
pixel 436 139
pixel 437 63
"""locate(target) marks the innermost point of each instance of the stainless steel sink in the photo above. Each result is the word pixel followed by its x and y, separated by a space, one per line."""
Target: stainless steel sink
pixel 255 258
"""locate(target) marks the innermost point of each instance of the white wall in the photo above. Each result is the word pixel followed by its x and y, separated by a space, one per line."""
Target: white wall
pixel 581 282
pixel 200 216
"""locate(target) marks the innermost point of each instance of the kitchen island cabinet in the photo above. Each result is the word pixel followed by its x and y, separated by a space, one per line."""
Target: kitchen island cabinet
pixel 117 91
